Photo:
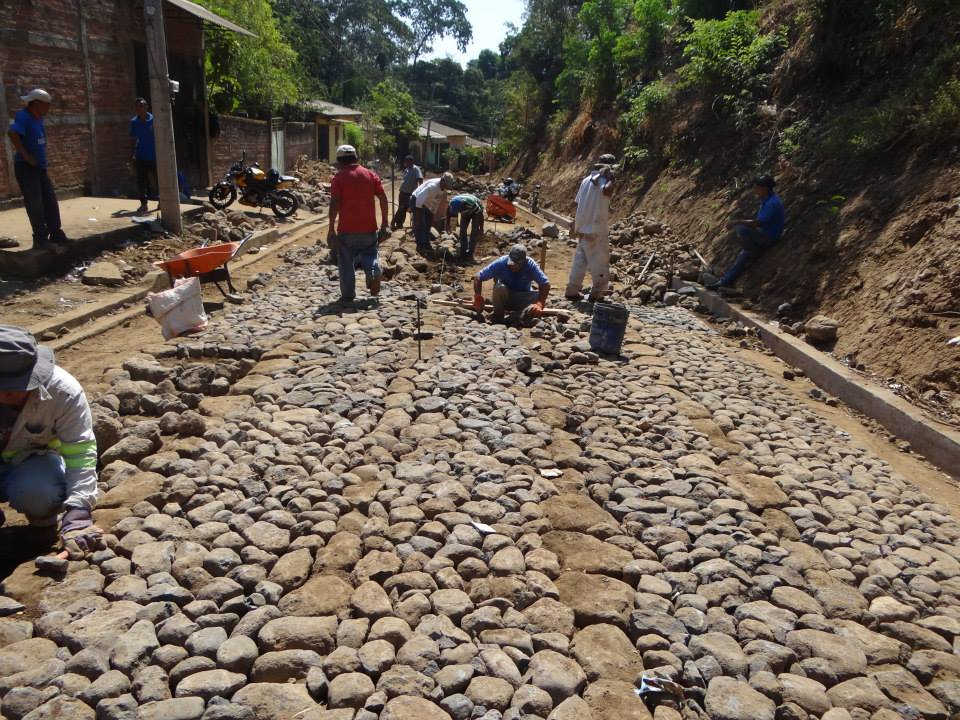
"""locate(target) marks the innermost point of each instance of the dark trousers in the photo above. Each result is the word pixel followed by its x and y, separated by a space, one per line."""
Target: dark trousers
pixel 40 201
pixel 754 242
pixel 400 216
pixel 146 170
pixel 422 222
pixel 475 222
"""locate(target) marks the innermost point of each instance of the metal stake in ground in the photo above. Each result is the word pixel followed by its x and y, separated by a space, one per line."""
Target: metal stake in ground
pixel 419 334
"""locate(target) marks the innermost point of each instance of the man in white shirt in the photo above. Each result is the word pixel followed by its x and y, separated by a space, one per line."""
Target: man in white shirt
pixel 591 228
pixel 427 202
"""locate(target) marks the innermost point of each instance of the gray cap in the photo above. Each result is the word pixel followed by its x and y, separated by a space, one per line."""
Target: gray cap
pixel 518 253
pixel 24 365
pixel 607 159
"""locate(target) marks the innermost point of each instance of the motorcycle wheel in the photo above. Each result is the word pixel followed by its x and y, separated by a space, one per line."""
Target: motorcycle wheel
pixel 222 195
pixel 284 203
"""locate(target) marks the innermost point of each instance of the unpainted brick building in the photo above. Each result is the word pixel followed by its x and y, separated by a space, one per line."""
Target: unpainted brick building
pixel 91 56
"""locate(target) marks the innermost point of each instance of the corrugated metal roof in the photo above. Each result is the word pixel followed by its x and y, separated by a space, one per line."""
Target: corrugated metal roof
pixel 446 130
pixel 434 135
pixel 204 14
pixel 330 109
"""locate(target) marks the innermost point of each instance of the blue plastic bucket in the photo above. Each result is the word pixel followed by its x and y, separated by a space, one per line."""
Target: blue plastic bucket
pixel 608 327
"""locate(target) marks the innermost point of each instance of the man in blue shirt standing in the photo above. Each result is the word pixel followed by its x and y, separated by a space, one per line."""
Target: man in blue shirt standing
pixel 412 178
pixel 29 139
pixel 513 276
pixel 756 235
pixel 144 151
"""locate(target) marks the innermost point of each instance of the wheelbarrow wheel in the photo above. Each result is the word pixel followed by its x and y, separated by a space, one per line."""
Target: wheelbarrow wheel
pixel 284 203
pixel 222 195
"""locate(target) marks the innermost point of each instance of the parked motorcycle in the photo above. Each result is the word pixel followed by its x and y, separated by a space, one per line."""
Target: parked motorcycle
pixel 256 188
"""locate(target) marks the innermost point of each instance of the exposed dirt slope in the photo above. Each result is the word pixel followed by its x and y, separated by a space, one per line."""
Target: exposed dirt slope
pixel 874 245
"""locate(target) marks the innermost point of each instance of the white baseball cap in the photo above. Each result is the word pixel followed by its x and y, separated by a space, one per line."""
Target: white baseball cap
pixel 37 94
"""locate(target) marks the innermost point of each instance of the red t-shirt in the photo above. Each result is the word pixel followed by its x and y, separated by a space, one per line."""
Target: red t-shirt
pixel 356 188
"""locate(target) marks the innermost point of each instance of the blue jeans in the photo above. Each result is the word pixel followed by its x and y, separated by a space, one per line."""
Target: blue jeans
pixel 754 242
pixel 354 248
pixel 36 487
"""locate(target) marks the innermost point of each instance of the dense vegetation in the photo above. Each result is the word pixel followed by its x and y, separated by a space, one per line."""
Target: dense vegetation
pixel 655 76
pixel 650 77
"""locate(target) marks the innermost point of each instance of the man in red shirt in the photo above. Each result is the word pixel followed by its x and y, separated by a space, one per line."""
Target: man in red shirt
pixel 356 238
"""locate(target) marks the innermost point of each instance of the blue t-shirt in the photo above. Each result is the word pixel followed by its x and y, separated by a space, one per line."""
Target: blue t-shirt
pixel 142 130
pixel 34 136
pixel 519 281
pixel 771 217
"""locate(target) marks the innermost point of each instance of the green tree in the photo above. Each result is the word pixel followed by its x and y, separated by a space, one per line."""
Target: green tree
pixel 255 75
pixel 433 19
pixel 390 106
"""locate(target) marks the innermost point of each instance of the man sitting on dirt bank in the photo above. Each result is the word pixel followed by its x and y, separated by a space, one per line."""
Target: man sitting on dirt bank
pixel 470 210
pixel 412 178
pixel 591 228
pixel 426 202
pixel 352 194
pixel 49 459
pixel 756 235
pixel 513 275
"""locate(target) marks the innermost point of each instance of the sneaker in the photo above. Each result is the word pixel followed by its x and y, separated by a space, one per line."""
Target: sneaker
pixel 574 298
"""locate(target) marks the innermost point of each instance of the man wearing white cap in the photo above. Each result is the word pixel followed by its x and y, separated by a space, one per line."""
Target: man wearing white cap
pixel 29 139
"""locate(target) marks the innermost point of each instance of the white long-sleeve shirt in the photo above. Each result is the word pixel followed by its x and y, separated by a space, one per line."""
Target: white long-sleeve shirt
pixel 593 207
pixel 56 418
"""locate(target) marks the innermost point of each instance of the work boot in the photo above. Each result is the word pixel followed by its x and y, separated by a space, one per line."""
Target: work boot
pixel 142 208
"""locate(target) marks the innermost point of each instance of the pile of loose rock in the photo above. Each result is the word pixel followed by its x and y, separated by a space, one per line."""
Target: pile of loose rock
pixel 311 524
pixel 313 191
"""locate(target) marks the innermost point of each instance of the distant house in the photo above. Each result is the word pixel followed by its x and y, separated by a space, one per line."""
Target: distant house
pixel 442 138
pixel 92 58
pixel 331 120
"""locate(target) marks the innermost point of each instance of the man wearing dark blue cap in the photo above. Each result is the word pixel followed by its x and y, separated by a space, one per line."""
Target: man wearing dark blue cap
pixel 514 275
pixel 48 463
pixel 756 235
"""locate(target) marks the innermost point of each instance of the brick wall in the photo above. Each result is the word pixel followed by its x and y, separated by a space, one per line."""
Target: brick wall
pixel 40 46
pixel 300 139
pixel 239 134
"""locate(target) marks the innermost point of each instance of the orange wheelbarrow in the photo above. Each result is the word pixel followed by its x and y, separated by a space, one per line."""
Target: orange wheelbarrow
pixel 209 263
pixel 500 209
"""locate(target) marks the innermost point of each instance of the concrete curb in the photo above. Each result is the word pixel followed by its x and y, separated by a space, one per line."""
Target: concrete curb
pixel 94 315
pixel 561 220
pixel 936 442
pixel 35 263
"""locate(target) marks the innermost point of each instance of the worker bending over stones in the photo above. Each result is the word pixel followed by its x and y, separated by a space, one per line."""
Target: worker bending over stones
pixel 513 276
pixel 48 465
